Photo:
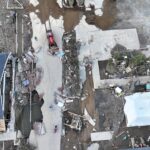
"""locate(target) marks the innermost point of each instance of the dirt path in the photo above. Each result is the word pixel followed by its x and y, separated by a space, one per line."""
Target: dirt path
pixel 109 15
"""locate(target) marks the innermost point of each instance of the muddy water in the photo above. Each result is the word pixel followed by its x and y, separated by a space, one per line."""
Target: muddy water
pixel 72 17
pixel 109 15
pixel 50 7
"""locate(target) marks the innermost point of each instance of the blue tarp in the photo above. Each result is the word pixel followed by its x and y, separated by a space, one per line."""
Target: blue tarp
pixel 3 61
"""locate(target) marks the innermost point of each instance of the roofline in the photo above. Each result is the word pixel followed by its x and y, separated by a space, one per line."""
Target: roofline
pixel 5 65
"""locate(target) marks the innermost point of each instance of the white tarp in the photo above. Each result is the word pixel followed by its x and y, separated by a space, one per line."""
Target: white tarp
pixel 101 136
pixel 137 109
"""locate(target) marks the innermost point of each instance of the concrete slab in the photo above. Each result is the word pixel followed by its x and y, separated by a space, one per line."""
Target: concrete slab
pixel 101 136
pixel 7 136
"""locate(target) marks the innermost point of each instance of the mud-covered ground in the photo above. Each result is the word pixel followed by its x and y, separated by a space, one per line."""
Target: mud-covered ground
pixel 72 17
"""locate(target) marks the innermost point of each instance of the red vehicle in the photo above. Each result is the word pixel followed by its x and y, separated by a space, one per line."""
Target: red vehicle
pixel 50 37
pixel 52 44
pixel 53 48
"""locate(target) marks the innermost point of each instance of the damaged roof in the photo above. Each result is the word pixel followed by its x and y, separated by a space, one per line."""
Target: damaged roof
pixel 3 62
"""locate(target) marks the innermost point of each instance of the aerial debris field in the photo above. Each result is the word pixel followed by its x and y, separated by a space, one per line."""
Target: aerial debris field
pixel 74 74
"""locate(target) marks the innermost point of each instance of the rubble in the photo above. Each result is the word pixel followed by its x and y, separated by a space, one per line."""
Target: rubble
pixel 73 121
pixel 70 65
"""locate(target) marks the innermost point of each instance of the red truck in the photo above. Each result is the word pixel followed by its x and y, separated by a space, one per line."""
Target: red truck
pixel 53 48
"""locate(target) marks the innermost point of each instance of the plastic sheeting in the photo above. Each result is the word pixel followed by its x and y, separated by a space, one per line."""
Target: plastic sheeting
pixel 137 109
pixel 3 61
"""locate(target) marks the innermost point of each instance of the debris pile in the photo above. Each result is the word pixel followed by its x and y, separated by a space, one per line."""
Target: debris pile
pixel 25 76
pixel 70 65
pixel 125 63
pixel 28 103
pixel 73 121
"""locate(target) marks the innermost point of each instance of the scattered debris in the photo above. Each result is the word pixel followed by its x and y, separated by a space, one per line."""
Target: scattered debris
pixel 73 121
pixel 70 65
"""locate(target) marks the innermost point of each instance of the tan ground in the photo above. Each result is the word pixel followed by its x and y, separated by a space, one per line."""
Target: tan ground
pixel 72 17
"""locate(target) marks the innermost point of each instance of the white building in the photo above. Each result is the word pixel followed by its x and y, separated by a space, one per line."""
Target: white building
pixel 137 109
pixel 106 41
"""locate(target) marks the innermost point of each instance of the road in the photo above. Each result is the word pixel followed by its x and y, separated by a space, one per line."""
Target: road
pixel 51 81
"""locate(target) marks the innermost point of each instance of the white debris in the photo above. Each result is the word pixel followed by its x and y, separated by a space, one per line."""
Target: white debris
pixel 69 100
pixel 99 12
pixel 88 117
pixel 34 2
pixel 37 11
pixel 128 69
pixel 60 104
pixel 83 98
pixel 59 3
pixel 82 75
pixel 118 90
pixel 74 147
pixel 94 146
pixel 101 136
pixel 98 6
